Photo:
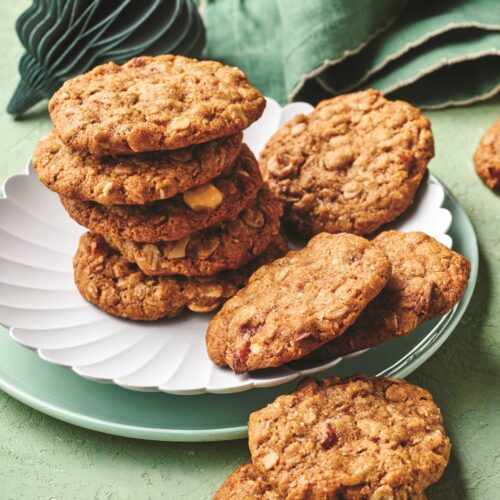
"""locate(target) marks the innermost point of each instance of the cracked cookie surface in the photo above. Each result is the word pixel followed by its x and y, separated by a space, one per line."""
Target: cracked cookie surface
pixel 351 165
pixel 132 179
pixel 350 438
pixel 297 303
pixel 173 219
pixel 487 157
pixel 153 104
pixel 114 285
pixel 229 245
pixel 427 280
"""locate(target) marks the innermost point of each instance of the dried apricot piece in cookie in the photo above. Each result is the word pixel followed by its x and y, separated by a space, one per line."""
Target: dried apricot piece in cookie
pixel 298 303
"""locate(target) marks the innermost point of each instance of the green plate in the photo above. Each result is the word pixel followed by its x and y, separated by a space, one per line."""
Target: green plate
pixel 60 393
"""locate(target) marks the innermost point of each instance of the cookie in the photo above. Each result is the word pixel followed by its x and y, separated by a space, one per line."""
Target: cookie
pixel 350 438
pixel 487 157
pixel 229 245
pixel 132 179
pixel 427 280
pixel 352 165
pixel 245 483
pixel 173 219
pixel 116 286
pixel 153 104
pixel 297 303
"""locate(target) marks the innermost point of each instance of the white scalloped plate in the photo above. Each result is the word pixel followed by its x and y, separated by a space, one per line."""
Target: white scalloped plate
pixel 45 311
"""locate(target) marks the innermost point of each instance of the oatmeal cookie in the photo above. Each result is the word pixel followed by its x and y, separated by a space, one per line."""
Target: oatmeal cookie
pixel 427 280
pixel 352 165
pixel 173 219
pixel 153 104
pixel 229 245
pixel 350 438
pixel 132 179
pixel 114 285
pixel 298 303
pixel 245 483
pixel 487 157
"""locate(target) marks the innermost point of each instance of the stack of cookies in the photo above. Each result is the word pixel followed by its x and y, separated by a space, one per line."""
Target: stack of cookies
pixel 343 438
pixel 149 157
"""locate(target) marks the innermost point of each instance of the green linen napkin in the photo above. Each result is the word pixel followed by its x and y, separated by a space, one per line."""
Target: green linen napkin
pixel 433 53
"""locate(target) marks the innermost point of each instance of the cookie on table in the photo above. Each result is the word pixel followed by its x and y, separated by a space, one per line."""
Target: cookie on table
pixel 350 438
pixel 153 104
pixel 427 280
pixel 245 483
pixel 118 287
pixel 298 303
pixel 487 157
pixel 229 245
pixel 351 165
pixel 221 199
pixel 132 179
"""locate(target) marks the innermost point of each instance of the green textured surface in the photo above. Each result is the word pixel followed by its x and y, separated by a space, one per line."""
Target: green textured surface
pixel 43 458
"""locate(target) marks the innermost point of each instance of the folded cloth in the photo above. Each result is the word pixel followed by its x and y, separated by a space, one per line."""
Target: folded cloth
pixel 433 53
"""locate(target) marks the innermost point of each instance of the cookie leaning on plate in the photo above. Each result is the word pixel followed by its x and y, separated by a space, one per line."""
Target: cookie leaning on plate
pixel 427 280
pixel 131 179
pixel 359 437
pixel 351 165
pixel 487 157
pixel 110 282
pixel 153 104
pixel 297 303
pixel 178 217
pixel 228 245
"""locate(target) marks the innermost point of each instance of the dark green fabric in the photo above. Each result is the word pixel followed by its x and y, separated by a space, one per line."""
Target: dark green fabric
pixel 438 52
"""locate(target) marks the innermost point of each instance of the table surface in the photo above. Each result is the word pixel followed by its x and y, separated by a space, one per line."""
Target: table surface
pixel 43 458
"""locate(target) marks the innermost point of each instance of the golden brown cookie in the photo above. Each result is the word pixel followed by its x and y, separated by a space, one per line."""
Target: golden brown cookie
pixel 352 165
pixel 427 280
pixel 173 219
pixel 153 104
pixel 114 285
pixel 298 303
pixel 487 157
pixel 132 179
pixel 245 483
pixel 350 438
pixel 229 245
